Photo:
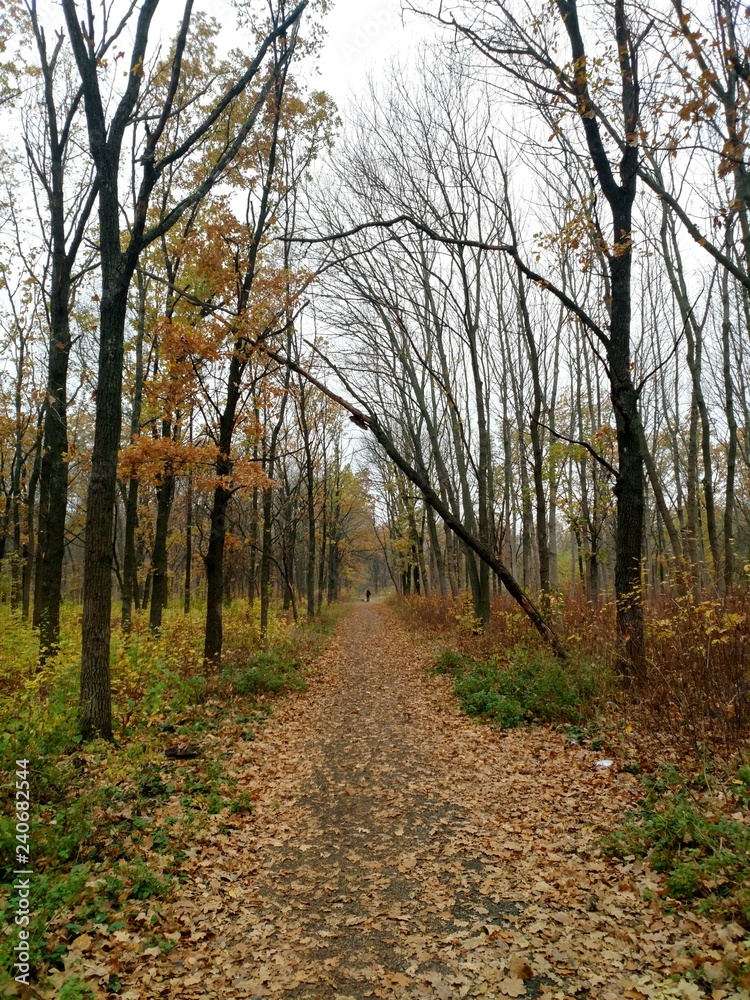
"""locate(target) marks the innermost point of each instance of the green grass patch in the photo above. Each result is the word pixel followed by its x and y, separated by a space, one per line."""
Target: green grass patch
pixel 686 832
pixel 531 685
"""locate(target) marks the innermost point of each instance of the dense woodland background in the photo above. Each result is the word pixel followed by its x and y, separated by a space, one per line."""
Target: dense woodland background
pixel 520 261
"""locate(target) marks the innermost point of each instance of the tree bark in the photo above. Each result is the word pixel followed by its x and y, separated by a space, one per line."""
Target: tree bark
pixel 159 592
pixel 731 439
pixel 130 561
pixel 310 485
pixel 214 559
pixel 53 474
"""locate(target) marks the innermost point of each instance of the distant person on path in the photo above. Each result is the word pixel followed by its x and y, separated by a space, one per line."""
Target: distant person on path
pixel 368 596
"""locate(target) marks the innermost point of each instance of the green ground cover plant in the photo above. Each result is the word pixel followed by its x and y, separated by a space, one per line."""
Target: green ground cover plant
pixel 526 685
pixel 692 831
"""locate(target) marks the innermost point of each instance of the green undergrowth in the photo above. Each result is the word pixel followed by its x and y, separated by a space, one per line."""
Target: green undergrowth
pixel 526 686
pixel 268 672
pixel 694 831
pixel 112 824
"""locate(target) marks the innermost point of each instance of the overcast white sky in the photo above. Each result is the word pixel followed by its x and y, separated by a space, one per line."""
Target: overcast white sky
pixel 362 35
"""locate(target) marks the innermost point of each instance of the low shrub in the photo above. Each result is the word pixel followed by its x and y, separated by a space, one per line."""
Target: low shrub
pixel 452 662
pixel 145 883
pixel 507 713
pixel 532 686
pixel 686 833
pixel 695 699
pixel 270 672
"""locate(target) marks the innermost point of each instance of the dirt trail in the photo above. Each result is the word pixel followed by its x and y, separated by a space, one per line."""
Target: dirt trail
pixel 397 849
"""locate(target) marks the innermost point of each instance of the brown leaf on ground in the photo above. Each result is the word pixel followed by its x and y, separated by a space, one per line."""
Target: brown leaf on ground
pixel 399 850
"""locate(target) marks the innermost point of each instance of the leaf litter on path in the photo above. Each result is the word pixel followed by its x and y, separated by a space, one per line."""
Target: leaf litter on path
pixel 399 850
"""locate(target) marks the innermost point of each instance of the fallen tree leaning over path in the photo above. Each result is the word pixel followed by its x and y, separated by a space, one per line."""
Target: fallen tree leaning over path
pixel 368 421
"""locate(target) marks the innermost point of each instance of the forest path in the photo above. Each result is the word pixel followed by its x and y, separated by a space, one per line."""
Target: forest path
pixel 397 849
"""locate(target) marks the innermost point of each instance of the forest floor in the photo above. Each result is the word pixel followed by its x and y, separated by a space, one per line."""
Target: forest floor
pixel 397 848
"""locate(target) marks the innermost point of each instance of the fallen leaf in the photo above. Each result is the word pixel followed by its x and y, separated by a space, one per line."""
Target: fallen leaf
pixel 512 987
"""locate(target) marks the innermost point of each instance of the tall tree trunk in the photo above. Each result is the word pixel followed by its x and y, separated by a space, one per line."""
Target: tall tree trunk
pixel 731 440
pixel 629 487
pixel 214 567
pixel 323 532
pixel 267 553
pixel 105 139
pixel 129 560
pixel 53 479
pixel 620 195
pixel 53 474
pixel 450 559
pixel 437 553
pixel 509 493
pixel 537 450
pixel 164 495
pixel 693 529
pixel 30 544
pixel 708 490
pixel 527 522
pixel 117 267
pixel 214 564
pixel 254 534
pixel 333 539
pixel 214 559
pixel 310 489
pixel 254 524
pixel 96 700
pixel 16 566
pixel 188 544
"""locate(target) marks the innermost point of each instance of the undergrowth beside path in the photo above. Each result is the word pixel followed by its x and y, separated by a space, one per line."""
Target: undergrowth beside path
pixel 524 685
pixel 691 824
pixel 113 824
pixel 695 699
